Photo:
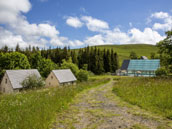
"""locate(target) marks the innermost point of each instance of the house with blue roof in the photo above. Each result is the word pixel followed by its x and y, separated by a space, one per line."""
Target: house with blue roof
pixel 144 67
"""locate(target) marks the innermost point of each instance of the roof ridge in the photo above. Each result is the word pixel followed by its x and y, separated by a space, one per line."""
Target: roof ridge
pixel 19 69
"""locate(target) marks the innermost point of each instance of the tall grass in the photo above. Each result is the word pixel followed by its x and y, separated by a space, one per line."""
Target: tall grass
pixel 154 94
pixel 37 109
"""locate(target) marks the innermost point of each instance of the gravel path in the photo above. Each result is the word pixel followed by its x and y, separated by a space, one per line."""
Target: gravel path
pixel 99 108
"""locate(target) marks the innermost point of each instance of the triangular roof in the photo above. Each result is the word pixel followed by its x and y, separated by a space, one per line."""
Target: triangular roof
pixel 64 75
pixel 16 77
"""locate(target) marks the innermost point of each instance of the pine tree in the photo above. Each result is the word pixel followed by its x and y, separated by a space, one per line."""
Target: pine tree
pixel 107 61
pixel 5 49
pixel 113 61
pixel 100 65
pixel 74 57
pixel 17 48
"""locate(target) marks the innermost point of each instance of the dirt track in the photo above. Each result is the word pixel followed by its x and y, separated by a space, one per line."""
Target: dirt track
pixel 99 108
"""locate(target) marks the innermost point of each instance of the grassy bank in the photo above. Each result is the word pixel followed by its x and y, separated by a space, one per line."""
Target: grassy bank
pixel 153 94
pixel 37 109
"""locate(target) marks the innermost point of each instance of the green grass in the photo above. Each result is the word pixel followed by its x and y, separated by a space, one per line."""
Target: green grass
pixel 123 51
pixel 153 94
pixel 37 109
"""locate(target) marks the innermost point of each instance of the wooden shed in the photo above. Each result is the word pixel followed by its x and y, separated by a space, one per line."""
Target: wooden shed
pixel 60 77
pixel 12 79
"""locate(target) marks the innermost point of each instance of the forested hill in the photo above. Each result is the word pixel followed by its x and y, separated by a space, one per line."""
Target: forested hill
pixel 123 51
pixel 98 59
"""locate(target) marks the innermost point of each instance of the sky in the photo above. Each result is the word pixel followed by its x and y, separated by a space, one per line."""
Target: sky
pixel 79 23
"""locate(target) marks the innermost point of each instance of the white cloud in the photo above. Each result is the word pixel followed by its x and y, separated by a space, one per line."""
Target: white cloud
pixel 166 19
pixel 116 37
pixel 75 43
pixel 95 40
pixel 148 36
pixel 10 10
pixel 16 29
pixel 74 22
pixel 159 26
pixel 9 39
pixel 19 30
pixel 94 24
pixel 160 15
pixel 133 36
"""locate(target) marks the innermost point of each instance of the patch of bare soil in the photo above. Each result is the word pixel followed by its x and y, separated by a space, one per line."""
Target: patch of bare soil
pixel 99 108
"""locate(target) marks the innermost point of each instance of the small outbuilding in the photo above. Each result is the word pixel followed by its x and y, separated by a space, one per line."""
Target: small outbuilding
pixel 12 79
pixel 144 58
pixel 60 77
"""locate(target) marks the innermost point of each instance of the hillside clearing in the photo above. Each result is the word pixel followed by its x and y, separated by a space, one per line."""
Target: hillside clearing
pixel 99 108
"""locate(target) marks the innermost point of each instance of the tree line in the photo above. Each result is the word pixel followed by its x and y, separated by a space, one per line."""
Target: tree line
pixel 90 58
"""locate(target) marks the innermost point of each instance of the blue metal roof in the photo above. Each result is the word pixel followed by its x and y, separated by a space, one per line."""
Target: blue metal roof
pixel 146 65
pixel 125 64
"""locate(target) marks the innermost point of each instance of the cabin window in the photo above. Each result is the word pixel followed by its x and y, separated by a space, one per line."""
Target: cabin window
pixel 51 77
pixel 6 81
pixel 49 83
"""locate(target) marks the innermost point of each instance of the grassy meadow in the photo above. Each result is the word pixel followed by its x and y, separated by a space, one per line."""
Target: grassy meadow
pixel 153 94
pixel 123 51
pixel 37 109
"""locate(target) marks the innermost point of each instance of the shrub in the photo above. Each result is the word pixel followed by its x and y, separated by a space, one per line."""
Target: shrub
pixel 32 81
pixel 46 66
pixel 82 75
pixel 13 60
pixel 133 55
pixel 69 65
pixel 90 73
pixel 161 71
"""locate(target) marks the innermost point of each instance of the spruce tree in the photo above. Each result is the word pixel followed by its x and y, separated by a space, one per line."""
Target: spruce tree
pixel 107 61
pixel 99 66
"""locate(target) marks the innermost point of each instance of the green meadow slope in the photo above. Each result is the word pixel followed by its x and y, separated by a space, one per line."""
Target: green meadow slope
pixel 124 50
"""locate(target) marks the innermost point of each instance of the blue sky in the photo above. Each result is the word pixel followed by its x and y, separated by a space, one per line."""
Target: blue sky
pixel 79 23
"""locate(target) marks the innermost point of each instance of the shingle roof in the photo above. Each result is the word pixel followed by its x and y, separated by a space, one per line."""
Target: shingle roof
pixel 17 76
pixel 64 75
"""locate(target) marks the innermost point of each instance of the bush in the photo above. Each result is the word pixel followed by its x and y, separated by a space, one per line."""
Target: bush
pixel 82 75
pixel 46 66
pixel 32 81
pixel 161 71
pixel 90 73
pixel 69 65
pixel 13 60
